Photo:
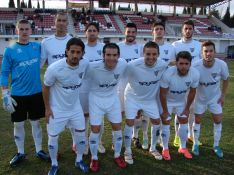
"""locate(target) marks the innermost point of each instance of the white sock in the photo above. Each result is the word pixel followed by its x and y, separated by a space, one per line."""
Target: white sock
pixel 72 131
pixel 53 149
pixel 87 129
pixel 37 134
pixel 145 127
pixel 217 133
pixel 191 119
pixel 196 132
pixel 127 138
pixel 93 144
pixel 176 125
pixel 137 126
pixel 80 144
pixel 117 140
pixel 183 134
pixel 165 135
pixel 155 132
pixel 19 135
pixel 101 132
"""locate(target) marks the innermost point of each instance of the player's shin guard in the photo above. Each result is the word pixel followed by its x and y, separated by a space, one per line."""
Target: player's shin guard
pixel 183 134
pixel 19 135
pixel 72 130
pixel 37 134
pixel 145 127
pixel 176 125
pixel 127 138
pixel 155 133
pixel 137 126
pixel 165 135
pixel 80 144
pixel 191 119
pixel 53 149
pixel 93 144
pixel 217 133
pixel 117 140
pixel 87 129
pixel 196 132
pixel 101 131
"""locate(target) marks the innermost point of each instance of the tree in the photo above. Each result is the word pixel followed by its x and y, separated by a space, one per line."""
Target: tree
pixel 29 4
pixel 194 10
pixel 188 10
pixel 38 4
pixel 11 4
pixel 151 8
pixel 226 18
pixel 232 21
pixel 200 11
pixel 23 4
pixel 215 13
pixel 184 10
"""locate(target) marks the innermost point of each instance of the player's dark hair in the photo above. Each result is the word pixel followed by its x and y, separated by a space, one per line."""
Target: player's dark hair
pixel 184 55
pixel 131 25
pixel 188 22
pixel 208 43
pixel 110 46
pixel 75 41
pixel 151 44
pixel 60 13
pixel 158 24
pixel 96 25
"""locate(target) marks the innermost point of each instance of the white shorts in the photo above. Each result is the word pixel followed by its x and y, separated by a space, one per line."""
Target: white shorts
pixel 150 108
pixel 84 101
pixel 213 107
pixel 177 110
pixel 57 125
pixel 100 106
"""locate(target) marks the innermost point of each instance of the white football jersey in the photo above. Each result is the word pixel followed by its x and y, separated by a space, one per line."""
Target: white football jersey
pixel 103 82
pixel 143 81
pixel 64 82
pixel 94 53
pixel 178 85
pixel 193 47
pixel 209 82
pixel 130 52
pixel 166 52
pixel 53 48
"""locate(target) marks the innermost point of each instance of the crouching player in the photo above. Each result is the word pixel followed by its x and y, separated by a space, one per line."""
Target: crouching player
pixel 104 76
pixel 61 96
pixel 209 94
pixel 177 81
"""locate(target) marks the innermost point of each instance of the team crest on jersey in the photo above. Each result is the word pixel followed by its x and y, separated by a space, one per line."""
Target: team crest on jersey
pixel 214 75
pixel 19 51
pixel 99 52
pixel 166 52
pixel 116 76
pixel 188 83
pixel 156 73
pixel 81 74
pixel 136 50
pixel 192 49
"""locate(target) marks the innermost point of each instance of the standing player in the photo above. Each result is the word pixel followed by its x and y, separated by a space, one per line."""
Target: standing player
pixel 104 76
pixel 53 47
pixel 177 81
pixel 131 50
pixel 93 52
pixel 24 100
pixel 62 81
pixel 167 51
pixel 187 43
pixel 209 95
pixel 143 75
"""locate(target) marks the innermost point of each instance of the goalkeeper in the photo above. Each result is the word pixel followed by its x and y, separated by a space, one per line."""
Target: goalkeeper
pixel 24 99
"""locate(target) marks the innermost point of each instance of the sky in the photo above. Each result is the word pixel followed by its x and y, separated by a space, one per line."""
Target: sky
pixel 61 4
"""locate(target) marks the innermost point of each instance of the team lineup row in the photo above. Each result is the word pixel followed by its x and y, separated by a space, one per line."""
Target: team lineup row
pixel 87 81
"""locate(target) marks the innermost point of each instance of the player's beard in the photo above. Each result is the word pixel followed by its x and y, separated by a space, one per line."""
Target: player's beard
pixel 182 72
